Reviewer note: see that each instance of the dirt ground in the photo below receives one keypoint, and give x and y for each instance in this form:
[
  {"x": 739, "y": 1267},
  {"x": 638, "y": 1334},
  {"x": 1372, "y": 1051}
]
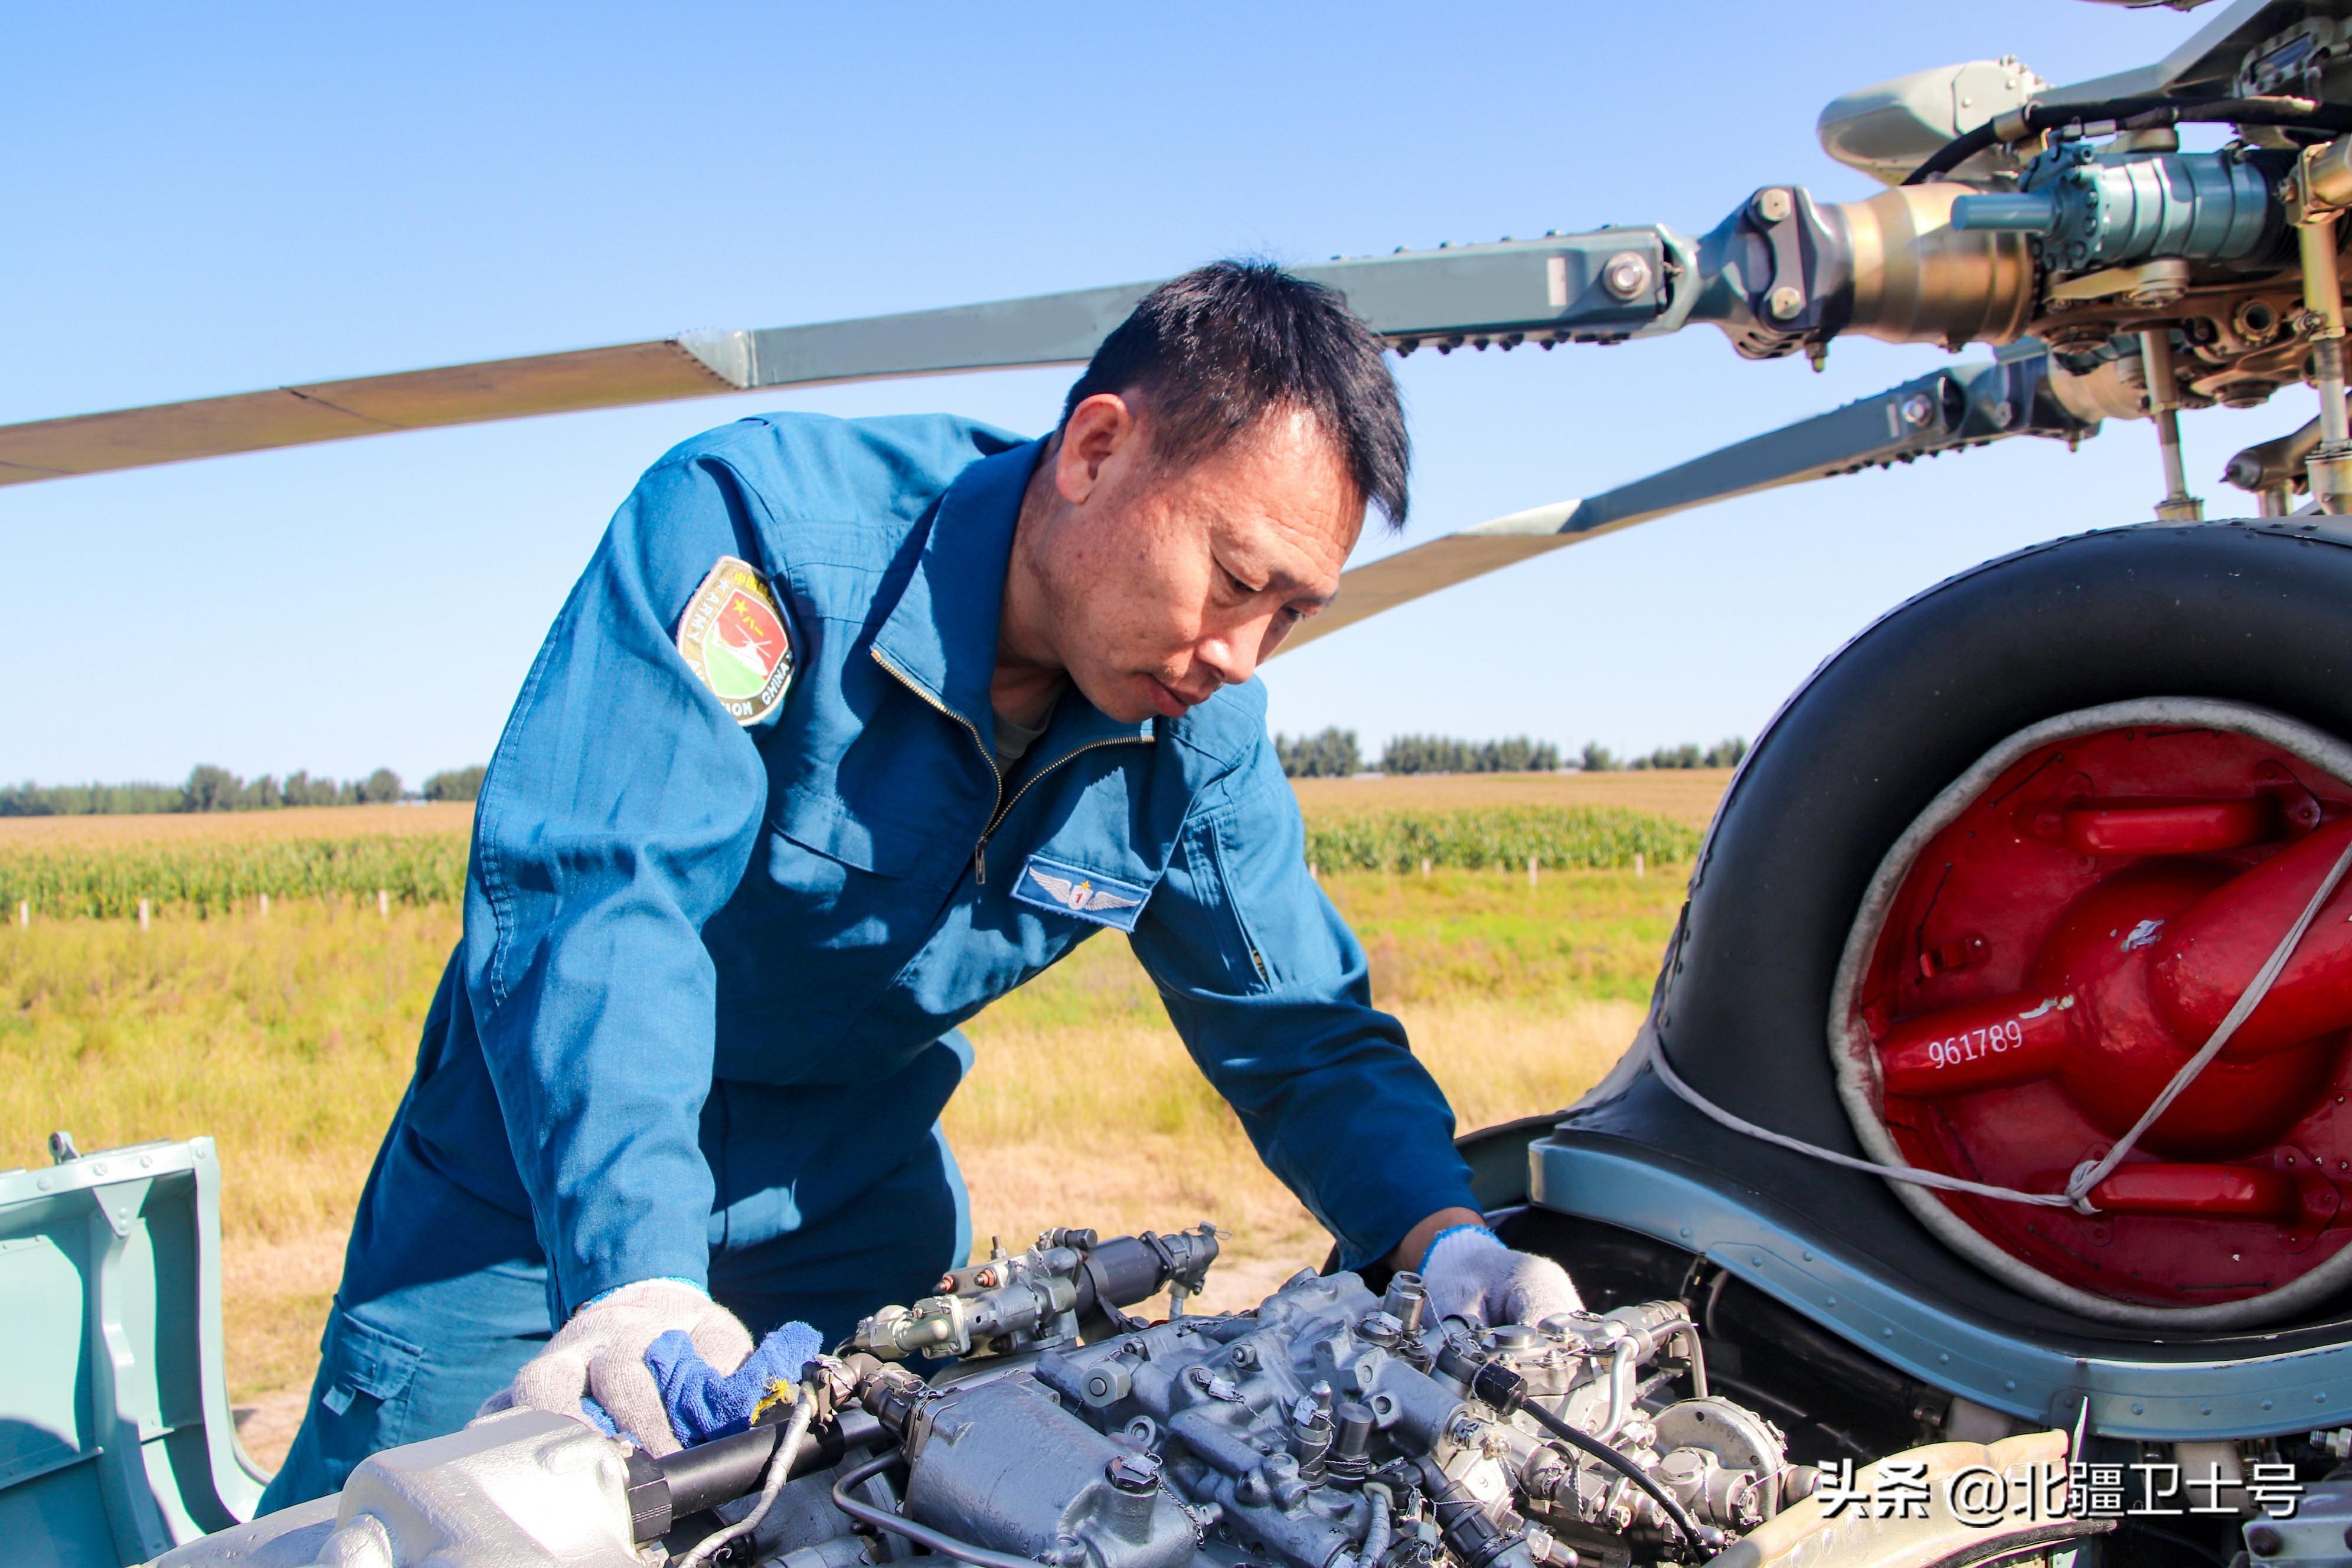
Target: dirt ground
[{"x": 296, "y": 821}]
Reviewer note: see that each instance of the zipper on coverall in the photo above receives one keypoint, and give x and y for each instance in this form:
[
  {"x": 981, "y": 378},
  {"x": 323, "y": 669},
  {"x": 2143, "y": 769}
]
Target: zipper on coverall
[{"x": 1002, "y": 808}]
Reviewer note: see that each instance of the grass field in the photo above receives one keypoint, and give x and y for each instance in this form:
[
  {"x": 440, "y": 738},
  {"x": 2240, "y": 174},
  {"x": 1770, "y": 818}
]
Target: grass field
[{"x": 290, "y": 1038}]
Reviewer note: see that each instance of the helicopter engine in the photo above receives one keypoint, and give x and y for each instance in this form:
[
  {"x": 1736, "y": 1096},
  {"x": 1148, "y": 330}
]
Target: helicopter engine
[{"x": 1325, "y": 1427}]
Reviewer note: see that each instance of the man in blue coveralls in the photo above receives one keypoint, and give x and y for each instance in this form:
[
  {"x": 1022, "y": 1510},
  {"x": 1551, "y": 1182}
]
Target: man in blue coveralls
[{"x": 849, "y": 728}]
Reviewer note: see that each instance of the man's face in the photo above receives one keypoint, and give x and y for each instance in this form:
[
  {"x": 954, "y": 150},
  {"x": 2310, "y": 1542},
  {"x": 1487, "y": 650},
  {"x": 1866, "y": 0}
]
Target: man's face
[{"x": 1161, "y": 585}]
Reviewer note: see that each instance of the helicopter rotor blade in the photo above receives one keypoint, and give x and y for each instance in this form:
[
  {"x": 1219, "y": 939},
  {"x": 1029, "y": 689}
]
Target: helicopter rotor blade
[
  {"x": 1605, "y": 285},
  {"x": 1946, "y": 410},
  {"x": 336, "y": 410},
  {"x": 1053, "y": 330}
]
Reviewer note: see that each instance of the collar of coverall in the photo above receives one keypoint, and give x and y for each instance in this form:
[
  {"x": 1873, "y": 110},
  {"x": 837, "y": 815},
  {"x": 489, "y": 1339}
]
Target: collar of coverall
[{"x": 941, "y": 634}]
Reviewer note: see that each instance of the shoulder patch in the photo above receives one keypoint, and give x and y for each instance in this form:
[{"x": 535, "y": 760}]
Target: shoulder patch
[
  {"x": 1072, "y": 890},
  {"x": 734, "y": 637}
]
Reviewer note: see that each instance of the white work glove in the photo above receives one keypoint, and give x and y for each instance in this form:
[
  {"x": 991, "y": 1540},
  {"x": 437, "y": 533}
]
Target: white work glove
[
  {"x": 1469, "y": 1273},
  {"x": 600, "y": 1356}
]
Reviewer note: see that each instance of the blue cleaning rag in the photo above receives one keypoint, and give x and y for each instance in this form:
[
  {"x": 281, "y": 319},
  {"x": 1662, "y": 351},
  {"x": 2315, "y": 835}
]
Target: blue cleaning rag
[{"x": 703, "y": 1403}]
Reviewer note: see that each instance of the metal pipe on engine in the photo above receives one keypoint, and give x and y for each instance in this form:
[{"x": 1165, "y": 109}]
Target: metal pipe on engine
[
  {"x": 2164, "y": 408},
  {"x": 2322, "y": 295},
  {"x": 2316, "y": 210},
  {"x": 1621, "y": 1387}
]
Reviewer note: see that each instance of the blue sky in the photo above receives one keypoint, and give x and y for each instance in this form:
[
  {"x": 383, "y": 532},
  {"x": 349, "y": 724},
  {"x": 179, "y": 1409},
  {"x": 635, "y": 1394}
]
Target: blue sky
[{"x": 212, "y": 199}]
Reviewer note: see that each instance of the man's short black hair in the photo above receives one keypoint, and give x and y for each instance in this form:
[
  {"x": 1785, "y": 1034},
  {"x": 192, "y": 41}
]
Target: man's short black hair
[{"x": 1215, "y": 350}]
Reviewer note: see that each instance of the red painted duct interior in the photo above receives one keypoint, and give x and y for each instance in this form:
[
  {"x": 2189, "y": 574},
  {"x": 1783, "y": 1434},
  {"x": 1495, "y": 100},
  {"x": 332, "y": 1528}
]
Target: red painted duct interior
[{"x": 2051, "y": 958}]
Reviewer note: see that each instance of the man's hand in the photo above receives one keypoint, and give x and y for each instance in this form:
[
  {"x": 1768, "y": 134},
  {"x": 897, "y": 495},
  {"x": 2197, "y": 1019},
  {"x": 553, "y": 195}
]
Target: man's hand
[
  {"x": 596, "y": 1364},
  {"x": 1469, "y": 1273}
]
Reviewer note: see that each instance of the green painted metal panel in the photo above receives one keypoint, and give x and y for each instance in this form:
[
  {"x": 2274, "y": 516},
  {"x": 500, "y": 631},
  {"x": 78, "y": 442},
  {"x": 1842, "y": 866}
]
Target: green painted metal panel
[{"x": 116, "y": 1442}]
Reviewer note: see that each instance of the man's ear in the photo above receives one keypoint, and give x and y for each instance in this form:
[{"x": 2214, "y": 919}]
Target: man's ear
[{"x": 1100, "y": 433}]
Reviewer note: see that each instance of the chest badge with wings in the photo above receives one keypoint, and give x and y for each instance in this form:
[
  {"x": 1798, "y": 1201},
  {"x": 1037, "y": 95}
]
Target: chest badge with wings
[{"x": 1068, "y": 890}]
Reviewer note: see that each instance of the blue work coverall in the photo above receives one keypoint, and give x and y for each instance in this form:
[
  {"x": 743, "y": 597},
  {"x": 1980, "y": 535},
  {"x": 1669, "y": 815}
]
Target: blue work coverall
[{"x": 703, "y": 1019}]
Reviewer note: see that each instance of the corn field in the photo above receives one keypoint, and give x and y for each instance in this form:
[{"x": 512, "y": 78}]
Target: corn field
[
  {"x": 206, "y": 877},
  {"x": 1570, "y": 838}
]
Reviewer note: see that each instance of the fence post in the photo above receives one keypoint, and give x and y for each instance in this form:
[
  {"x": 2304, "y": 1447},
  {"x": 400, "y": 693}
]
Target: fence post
[
  {"x": 1639, "y": 869},
  {"x": 1314, "y": 870},
  {"x": 1532, "y": 863},
  {"x": 265, "y": 906},
  {"x": 24, "y": 914},
  {"x": 1424, "y": 865},
  {"x": 142, "y": 914},
  {"x": 382, "y": 903}
]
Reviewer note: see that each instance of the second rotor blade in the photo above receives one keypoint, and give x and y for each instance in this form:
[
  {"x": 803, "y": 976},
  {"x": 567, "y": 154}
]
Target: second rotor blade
[{"x": 1945, "y": 410}]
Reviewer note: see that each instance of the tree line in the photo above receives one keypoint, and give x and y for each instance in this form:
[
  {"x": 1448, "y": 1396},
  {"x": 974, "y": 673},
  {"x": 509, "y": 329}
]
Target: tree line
[
  {"x": 1335, "y": 752},
  {"x": 1724, "y": 753},
  {"x": 1443, "y": 754},
  {"x": 210, "y": 788}
]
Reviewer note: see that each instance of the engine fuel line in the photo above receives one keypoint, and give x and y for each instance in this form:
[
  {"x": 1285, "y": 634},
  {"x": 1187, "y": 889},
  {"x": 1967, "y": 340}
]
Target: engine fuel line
[{"x": 1505, "y": 1391}]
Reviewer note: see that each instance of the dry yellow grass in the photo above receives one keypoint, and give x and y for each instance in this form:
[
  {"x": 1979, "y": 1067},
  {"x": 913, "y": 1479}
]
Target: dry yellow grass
[
  {"x": 299, "y": 822},
  {"x": 1114, "y": 1129},
  {"x": 288, "y": 1039},
  {"x": 1081, "y": 1107},
  {"x": 1684, "y": 795}
]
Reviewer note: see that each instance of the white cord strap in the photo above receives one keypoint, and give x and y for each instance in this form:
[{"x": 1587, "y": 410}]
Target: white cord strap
[
  {"x": 2088, "y": 1175},
  {"x": 1913, "y": 1174}
]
